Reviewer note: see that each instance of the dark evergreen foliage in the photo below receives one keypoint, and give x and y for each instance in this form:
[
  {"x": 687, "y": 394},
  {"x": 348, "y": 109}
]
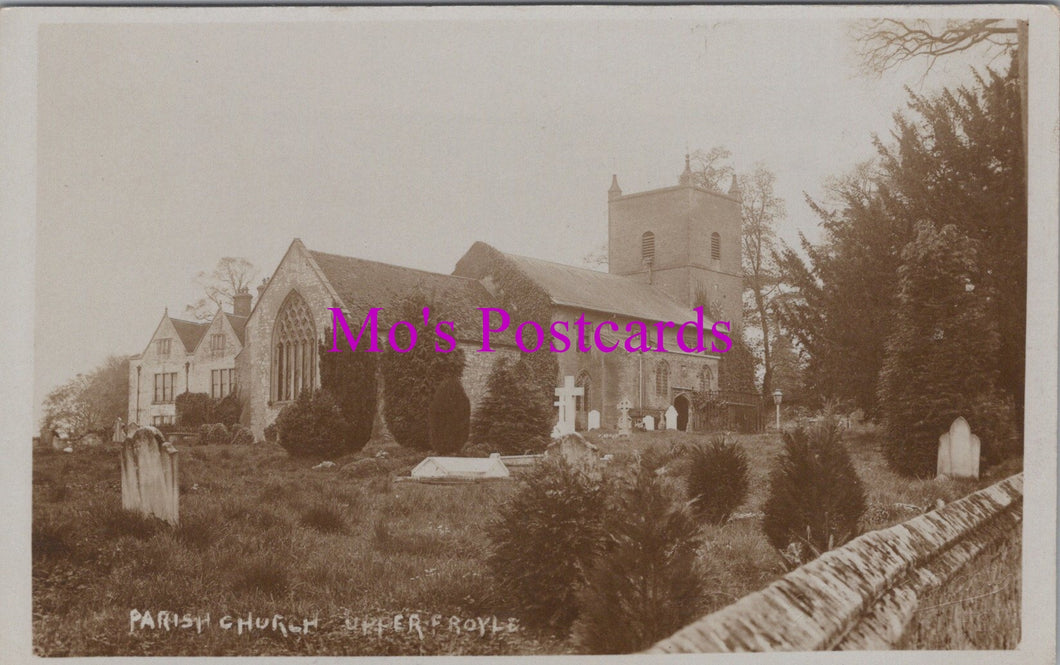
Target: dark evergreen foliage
[
  {"x": 193, "y": 409},
  {"x": 217, "y": 434},
  {"x": 941, "y": 355},
  {"x": 227, "y": 410},
  {"x": 717, "y": 479},
  {"x": 815, "y": 495},
  {"x": 513, "y": 417},
  {"x": 545, "y": 538},
  {"x": 411, "y": 378},
  {"x": 449, "y": 417},
  {"x": 350, "y": 378},
  {"x": 312, "y": 426},
  {"x": 241, "y": 436},
  {"x": 736, "y": 369},
  {"x": 646, "y": 585},
  {"x": 957, "y": 158}
]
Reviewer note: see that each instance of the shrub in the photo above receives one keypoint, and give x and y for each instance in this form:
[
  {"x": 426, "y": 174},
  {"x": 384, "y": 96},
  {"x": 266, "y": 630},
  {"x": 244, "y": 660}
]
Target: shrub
[
  {"x": 193, "y": 409},
  {"x": 410, "y": 378},
  {"x": 449, "y": 416},
  {"x": 204, "y": 434},
  {"x": 545, "y": 537},
  {"x": 646, "y": 585},
  {"x": 241, "y": 436},
  {"x": 513, "y": 418},
  {"x": 815, "y": 496},
  {"x": 312, "y": 426},
  {"x": 717, "y": 479},
  {"x": 227, "y": 410},
  {"x": 350, "y": 377},
  {"x": 270, "y": 433},
  {"x": 217, "y": 435}
]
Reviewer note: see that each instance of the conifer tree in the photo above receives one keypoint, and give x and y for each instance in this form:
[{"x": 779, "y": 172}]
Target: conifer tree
[
  {"x": 349, "y": 377},
  {"x": 512, "y": 417},
  {"x": 941, "y": 355},
  {"x": 411, "y": 378}
]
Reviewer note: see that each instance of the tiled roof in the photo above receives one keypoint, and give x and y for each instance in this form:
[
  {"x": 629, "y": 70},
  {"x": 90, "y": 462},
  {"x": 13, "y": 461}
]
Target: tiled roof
[
  {"x": 601, "y": 291},
  {"x": 364, "y": 284},
  {"x": 238, "y": 323},
  {"x": 190, "y": 332}
]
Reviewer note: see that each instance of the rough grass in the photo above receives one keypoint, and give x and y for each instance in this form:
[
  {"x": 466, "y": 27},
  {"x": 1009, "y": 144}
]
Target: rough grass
[{"x": 266, "y": 534}]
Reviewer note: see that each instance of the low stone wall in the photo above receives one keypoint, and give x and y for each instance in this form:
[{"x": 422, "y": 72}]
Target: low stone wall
[{"x": 864, "y": 594}]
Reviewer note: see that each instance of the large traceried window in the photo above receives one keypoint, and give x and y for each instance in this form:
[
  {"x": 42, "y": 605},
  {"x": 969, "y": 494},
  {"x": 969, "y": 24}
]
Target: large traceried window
[{"x": 294, "y": 350}]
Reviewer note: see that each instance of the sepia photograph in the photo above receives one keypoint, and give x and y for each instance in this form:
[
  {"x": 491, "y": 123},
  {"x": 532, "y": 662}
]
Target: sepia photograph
[{"x": 532, "y": 331}]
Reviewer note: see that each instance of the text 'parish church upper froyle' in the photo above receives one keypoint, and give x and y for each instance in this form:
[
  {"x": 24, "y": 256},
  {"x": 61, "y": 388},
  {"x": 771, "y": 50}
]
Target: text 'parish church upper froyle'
[{"x": 669, "y": 249}]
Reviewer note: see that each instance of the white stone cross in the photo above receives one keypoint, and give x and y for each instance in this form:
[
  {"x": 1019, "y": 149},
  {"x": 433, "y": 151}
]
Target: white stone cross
[
  {"x": 565, "y": 395},
  {"x": 625, "y": 423}
]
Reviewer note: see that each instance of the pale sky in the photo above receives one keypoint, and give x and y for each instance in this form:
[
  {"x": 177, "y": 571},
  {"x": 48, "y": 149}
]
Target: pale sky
[{"x": 162, "y": 148}]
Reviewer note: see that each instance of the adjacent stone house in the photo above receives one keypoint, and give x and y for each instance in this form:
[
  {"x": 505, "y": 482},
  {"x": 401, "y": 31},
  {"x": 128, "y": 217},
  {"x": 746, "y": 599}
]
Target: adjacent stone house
[{"x": 181, "y": 356}]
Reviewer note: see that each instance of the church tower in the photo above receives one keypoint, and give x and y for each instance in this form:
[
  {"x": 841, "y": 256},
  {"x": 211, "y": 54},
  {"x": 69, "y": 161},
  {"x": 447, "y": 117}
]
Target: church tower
[{"x": 684, "y": 240}]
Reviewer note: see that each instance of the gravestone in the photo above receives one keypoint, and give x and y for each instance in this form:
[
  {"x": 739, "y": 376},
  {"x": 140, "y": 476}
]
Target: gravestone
[
  {"x": 625, "y": 423},
  {"x": 565, "y": 395},
  {"x": 959, "y": 451},
  {"x": 594, "y": 420},
  {"x": 671, "y": 417},
  {"x": 149, "y": 475},
  {"x": 648, "y": 422}
]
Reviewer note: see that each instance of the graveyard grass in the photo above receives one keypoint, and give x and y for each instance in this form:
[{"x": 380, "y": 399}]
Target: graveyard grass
[{"x": 266, "y": 534}]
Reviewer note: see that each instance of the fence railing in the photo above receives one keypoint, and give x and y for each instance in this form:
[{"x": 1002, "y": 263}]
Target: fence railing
[{"x": 865, "y": 594}]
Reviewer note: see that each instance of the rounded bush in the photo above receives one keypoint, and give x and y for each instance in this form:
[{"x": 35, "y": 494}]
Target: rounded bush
[
  {"x": 312, "y": 426},
  {"x": 241, "y": 436},
  {"x": 271, "y": 435},
  {"x": 717, "y": 479},
  {"x": 204, "y": 434},
  {"x": 217, "y": 434},
  {"x": 545, "y": 539},
  {"x": 449, "y": 417},
  {"x": 815, "y": 496}
]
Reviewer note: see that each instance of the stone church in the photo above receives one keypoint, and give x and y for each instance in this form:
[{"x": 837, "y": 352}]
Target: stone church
[{"x": 668, "y": 249}]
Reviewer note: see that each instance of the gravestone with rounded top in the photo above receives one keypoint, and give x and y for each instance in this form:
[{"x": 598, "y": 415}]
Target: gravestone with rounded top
[
  {"x": 149, "y": 475},
  {"x": 671, "y": 417},
  {"x": 648, "y": 422},
  {"x": 959, "y": 451}
]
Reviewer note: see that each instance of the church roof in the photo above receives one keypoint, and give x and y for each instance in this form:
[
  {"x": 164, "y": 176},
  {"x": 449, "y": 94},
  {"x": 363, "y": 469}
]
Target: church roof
[
  {"x": 364, "y": 284},
  {"x": 190, "y": 332},
  {"x": 239, "y": 324},
  {"x": 600, "y": 291}
]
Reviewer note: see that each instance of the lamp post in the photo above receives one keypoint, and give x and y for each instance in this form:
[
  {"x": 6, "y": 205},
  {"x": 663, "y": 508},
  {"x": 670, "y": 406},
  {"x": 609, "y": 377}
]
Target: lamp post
[{"x": 777, "y": 397}]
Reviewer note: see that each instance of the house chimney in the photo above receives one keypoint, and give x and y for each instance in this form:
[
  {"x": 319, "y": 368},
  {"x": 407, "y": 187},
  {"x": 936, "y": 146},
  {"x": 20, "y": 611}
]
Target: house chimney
[{"x": 241, "y": 302}]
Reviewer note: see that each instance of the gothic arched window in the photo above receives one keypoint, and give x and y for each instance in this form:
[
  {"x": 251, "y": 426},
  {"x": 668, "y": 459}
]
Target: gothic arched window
[
  {"x": 647, "y": 247},
  {"x": 294, "y": 350},
  {"x": 706, "y": 378},
  {"x": 715, "y": 246},
  {"x": 662, "y": 379}
]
